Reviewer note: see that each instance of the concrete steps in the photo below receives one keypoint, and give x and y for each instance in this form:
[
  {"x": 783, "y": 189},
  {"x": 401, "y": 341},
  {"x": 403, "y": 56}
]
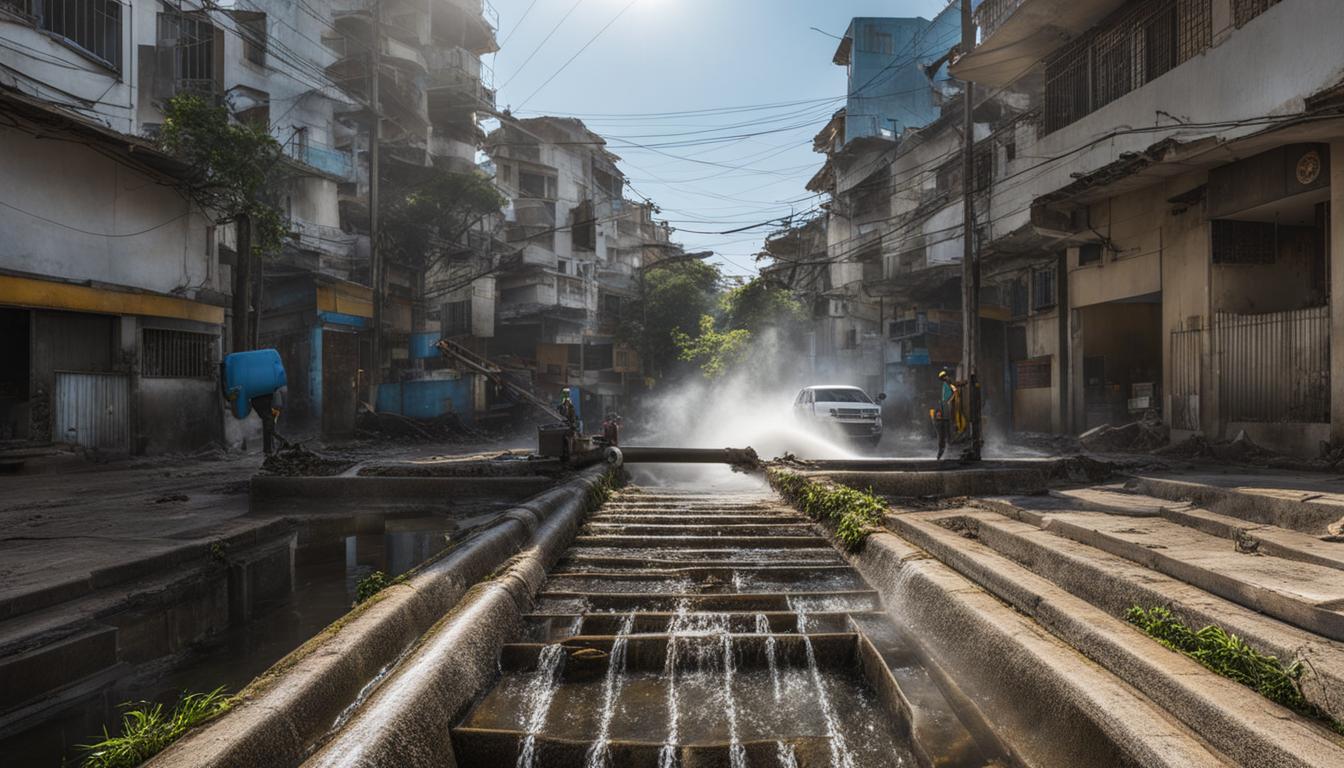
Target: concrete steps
[
  {"x": 738, "y": 605},
  {"x": 1078, "y": 591}
]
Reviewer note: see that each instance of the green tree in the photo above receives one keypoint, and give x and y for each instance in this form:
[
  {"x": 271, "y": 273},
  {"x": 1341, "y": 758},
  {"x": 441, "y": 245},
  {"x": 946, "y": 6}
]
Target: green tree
[
  {"x": 715, "y": 351},
  {"x": 231, "y": 167},
  {"x": 428, "y": 214},
  {"x": 674, "y": 297},
  {"x": 760, "y": 304}
]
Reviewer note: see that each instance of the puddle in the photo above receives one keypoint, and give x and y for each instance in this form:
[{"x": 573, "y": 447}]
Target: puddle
[{"x": 326, "y": 573}]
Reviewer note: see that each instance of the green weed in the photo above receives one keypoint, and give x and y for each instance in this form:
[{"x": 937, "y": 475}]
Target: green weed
[
  {"x": 854, "y": 513},
  {"x": 1231, "y": 657},
  {"x": 371, "y": 585},
  {"x": 146, "y": 729}
]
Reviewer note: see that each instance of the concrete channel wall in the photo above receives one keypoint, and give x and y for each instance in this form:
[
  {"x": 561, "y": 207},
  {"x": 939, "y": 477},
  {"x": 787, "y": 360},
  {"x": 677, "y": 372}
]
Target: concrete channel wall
[{"x": 285, "y": 712}]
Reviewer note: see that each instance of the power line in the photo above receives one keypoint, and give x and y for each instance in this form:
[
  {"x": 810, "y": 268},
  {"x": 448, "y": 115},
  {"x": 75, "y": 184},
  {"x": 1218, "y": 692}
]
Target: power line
[
  {"x": 519, "y": 25},
  {"x": 571, "y": 59},
  {"x": 540, "y": 45}
]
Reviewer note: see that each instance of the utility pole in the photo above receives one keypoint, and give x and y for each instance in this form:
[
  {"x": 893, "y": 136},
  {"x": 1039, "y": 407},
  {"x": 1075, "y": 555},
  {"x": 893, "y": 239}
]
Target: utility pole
[
  {"x": 242, "y": 283},
  {"x": 375, "y": 253},
  {"x": 970, "y": 266}
]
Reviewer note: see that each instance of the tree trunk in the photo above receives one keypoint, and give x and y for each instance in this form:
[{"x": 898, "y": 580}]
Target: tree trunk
[{"x": 242, "y": 284}]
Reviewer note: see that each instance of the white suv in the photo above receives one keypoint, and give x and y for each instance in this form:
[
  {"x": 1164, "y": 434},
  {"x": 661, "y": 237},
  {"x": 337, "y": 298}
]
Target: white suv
[{"x": 841, "y": 409}]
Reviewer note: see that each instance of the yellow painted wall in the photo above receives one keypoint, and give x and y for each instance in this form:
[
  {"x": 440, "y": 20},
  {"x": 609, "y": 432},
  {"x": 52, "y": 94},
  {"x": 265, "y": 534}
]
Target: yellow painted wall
[{"x": 45, "y": 294}]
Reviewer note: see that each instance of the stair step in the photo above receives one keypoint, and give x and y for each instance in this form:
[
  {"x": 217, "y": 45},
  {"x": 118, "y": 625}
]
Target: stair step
[
  {"x": 713, "y": 581},
  {"x": 851, "y": 600},
  {"x": 693, "y": 542},
  {"x": 487, "y": 746},
  {"x": 554, "y": 627},
  {"x": 648, "y": 653}
]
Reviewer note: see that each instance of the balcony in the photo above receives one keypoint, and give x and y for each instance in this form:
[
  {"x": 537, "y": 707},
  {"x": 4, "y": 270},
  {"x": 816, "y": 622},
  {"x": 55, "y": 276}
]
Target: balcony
[
  {"x": 459, "y": 84},
  {"x": 1016, "y": 31},
  {"x": 470, "y": 24},
  {"x": 329, "y": 161}
]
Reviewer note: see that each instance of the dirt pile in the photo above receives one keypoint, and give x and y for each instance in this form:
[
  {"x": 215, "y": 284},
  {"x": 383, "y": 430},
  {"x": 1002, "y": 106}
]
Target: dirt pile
[{"x": 297, "y": 461}]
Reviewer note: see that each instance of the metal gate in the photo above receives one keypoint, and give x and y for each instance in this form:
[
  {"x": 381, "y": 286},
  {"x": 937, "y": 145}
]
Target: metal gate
[
  {"x": 1274, "y": 367},
  {"x": 93, "y": 410},
  {"x": 1185, "y": 379}
]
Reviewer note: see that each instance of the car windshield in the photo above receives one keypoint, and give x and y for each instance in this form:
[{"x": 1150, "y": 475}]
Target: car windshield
[{"x": 842, "y": 396}]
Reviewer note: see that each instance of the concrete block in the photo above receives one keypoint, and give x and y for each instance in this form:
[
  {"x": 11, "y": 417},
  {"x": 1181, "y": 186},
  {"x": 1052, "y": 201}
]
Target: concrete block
[{"x": 28, "y": 676}]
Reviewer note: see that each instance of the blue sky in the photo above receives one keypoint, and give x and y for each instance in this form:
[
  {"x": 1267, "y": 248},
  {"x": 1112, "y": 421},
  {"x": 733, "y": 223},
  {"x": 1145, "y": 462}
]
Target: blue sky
[{"x": 662, "y": 56}]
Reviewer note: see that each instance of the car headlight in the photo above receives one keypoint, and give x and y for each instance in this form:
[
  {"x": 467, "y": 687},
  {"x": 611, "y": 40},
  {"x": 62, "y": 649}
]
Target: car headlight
[{"x": 835, "y": 412}]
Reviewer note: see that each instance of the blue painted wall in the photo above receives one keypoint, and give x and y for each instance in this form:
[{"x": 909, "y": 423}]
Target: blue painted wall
[
  {"x": 427, "y": 398},
  {"x": 888, "y": 90}
]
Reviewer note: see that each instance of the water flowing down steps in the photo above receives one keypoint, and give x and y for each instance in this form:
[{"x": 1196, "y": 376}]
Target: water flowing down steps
[{"x": 686, "y": 629}]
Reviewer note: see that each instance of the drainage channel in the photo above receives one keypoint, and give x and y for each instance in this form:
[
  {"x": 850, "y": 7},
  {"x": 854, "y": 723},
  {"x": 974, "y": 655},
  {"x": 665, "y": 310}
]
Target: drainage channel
[{"x": 685, "y": 628}]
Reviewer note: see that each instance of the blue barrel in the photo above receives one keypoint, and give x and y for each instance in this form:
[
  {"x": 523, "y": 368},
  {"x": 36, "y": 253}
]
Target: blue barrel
[{"x": 251, "y": 374}]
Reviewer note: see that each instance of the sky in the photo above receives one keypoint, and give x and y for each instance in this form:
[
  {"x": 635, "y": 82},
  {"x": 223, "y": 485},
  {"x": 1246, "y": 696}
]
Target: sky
[{"x": 711, "y": 104}]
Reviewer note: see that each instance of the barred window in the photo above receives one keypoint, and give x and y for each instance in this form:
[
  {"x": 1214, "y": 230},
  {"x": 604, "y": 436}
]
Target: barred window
[
  {"x": 92, "y": 26},
  {"x": 1245, "y": 10},
  {"x": 1243, "y": 242},
  {"x": 177, "y": 354},
  {"x": 457, "y": 318},
  {"x": 1136, "y": 45},
  {"x": 1043, "y": 288},
  {"x": 1033, "y": 374}
]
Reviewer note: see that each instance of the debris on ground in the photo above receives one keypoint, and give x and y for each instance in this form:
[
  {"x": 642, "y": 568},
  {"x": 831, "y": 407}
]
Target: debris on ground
[
  {"x": 297, "y": 461},
  {"x": 1139, "y": 436},
  {"x": 446, "y": 428},
  {"x": 1047, "y": 443},
  {"x": 171, "y": 498},
  {"x": 1243, "y": 450}
]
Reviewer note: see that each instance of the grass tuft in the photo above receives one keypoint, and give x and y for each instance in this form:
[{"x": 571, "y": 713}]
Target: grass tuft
[
  {"x": 147, "y": 729},
  {"x": 1231, "y": 657},
  {"x": 854, "y": 513}
]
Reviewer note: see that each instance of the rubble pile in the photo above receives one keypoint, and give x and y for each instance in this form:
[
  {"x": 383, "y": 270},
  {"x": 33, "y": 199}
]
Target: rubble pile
[
  {"x": 1140, "y": 436},
  {"x": 297, "y": 461}
]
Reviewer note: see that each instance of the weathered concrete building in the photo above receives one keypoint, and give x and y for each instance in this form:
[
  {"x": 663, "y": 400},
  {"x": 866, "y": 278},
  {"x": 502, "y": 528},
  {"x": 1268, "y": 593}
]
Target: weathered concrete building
[
  {"x": 112, "y": 293},
  {"x": 581, "y": 251},
  {"x": 1171, "y": 179}
]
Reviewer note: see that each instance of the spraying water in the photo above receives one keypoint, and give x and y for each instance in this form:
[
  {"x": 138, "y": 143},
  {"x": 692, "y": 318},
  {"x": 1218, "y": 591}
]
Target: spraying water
[
  {"x": 540, "y": 692},
  {"x": 840, "y": 755},
  {"x": 785, "y": 754},
  {"x": 737, "y": 754},
  {"x": 763, "y": 627},
  {"x": 599, "y": 754}
]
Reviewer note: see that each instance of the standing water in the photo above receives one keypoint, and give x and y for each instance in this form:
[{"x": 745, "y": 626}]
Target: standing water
[
  {"x": 598, "y": 755},
  {"x": 540, "y": 692}
]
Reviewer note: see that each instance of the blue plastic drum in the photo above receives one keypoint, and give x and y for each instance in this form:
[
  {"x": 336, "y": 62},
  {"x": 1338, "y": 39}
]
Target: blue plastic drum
[{"x": 251, "y": 374}]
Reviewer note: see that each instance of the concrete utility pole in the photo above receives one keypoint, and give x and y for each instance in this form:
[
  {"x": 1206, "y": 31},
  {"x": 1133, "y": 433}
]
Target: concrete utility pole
[
  {"x": 970, "y": 266},
  {"x": 375, "y": 255},
  {"x": 242, "y": 284}
]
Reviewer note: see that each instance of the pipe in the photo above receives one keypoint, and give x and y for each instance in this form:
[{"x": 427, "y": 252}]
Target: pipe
[{"x": 734, "y": 456}]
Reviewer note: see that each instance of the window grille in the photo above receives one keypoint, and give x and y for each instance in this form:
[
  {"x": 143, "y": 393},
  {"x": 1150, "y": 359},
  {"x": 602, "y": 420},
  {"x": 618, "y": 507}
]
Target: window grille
[
  {"x": 1245, "y": 10},
  {"x": 1034, "y": 373},
  {"x": 1043, "y": 288},
  {"x": 1243, "y": 242},
  {"x": 457, "y": 318},
  {"x": 92, "y": 26},
  {"x": 177, "y": 354},
  {"x": 1018, "y": 298},
  {"x": 1136, "y": 45}
]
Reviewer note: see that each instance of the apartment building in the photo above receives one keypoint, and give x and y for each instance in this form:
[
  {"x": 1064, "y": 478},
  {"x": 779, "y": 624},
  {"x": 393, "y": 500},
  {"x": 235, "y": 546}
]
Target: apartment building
[
  {"x": 581, "y": 250},
  {"x": 1161, "y": 211},
  {"x": 112, "y": 290}
]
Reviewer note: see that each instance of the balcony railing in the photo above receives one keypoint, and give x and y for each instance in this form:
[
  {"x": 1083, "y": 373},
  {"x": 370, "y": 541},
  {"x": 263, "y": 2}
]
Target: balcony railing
[
  {"x": 338, "y": 163},
  {"x": 992, "y": 13},
  {"x": 465, "y": 75}
]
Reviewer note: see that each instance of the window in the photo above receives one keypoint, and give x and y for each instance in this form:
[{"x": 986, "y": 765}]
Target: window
[
  {"x": 1243, "y": 242},
  {"x": 252, "y": 28},
  {"x": 1018, "y": 298},
  {"x": 1136, "y": 45},
  {"x": 1043, "y": 288},
  {"x": 177, "y": 354},
  {"x": 852, "y": 338},
  {"x": 457, "y": 318},
  {"x": 536, "y": 185},
  {"x": 1245, "y": 10},
  {"x": 876, "y": 41},
  {"x": 92, "y": 26},
  {"x": 1033, "y": 374},
  {"x": 1089, "y": 253},
  {"x": 583, "y": 226},
  {"x": 185, "y": 58}
]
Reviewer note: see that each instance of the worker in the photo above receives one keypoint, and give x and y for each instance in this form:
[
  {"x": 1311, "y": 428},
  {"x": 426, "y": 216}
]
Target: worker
[
  {"x": 942, "y": 413},
  {"x": 567, "y": 410}
]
